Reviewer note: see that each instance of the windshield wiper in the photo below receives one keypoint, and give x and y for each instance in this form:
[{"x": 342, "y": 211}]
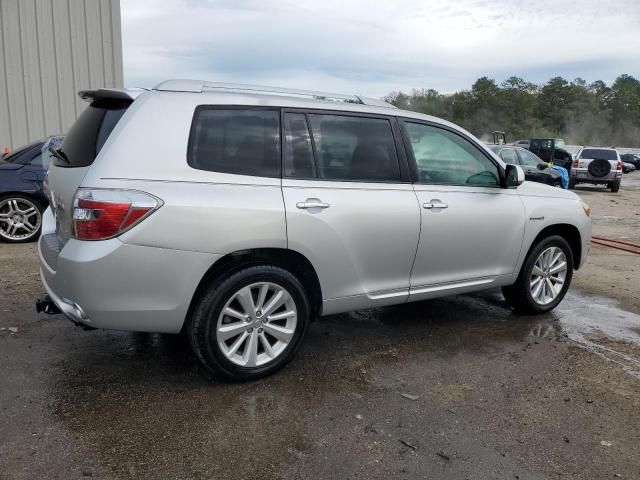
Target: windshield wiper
[{"x": 59, "y": 154}]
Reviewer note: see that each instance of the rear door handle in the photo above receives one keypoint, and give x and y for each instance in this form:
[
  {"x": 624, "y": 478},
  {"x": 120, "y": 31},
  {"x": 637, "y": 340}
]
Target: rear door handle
[
  {"x": 312, "y": 204},
  {"x": 431, "y": 205}
]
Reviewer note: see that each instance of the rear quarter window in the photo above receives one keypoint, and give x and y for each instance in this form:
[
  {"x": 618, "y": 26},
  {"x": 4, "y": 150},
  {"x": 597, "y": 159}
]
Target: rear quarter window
[
  {"x": 89, "y": 133},
  {"x": 237, "y": 141}
]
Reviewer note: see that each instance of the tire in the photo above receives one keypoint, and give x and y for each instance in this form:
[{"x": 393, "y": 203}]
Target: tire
[
  {"x": 520, "y": 295},
  {"x": 557, "y": 184},
  {"x": 599, "y": 168},
  {"x": 615, "y": 187},
  {"x": 217, "y": 354},
  {"x": 25, "y": 209}
]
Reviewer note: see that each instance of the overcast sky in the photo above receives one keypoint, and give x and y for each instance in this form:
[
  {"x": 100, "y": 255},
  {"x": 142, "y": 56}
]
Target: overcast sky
[{"x": 373, "y": 47}]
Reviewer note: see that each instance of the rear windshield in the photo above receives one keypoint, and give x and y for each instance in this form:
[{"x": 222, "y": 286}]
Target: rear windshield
[
  {"x": 603, "y": 153},
  {"x": 89, "y": 133}
]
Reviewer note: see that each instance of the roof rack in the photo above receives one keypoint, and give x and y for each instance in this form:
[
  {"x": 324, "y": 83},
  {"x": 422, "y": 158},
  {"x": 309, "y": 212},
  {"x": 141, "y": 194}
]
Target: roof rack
[{"x": 199, "y": 86}]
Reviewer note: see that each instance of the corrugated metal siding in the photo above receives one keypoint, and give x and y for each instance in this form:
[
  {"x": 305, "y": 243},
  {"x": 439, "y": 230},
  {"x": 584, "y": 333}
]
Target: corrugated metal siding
[{"x": 50, "y": 49}]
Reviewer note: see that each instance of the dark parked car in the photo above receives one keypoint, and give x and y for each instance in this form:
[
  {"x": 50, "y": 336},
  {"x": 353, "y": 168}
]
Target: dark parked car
[
  {"x": 551, "y": 150},
  {"x": 22, "y": 199},
  {"x": 535, "y": 169},
  {"x": 631, "y": 158}
]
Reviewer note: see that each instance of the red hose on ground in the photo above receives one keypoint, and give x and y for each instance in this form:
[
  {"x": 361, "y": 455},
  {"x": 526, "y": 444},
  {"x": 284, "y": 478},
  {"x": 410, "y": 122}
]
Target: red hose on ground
[
  {"x": 599, "y": 241},
  {"x": 616, "y": 241}
]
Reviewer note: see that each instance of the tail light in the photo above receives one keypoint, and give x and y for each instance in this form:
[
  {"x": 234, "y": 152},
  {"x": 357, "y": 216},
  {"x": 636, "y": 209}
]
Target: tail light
[
  {"x": 576, "y": 162},
  {"x": 102, "y": 214},
  {"x": 619, "y": 167}
]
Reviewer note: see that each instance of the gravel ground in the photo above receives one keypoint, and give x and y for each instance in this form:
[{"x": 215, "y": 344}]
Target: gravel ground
[{"x": 452, "y": 388}]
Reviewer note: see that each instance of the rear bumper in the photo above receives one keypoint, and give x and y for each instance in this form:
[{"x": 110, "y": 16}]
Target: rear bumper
[
  {"x": 583, "y": 175},
  {"x": 113, "y": 285}
]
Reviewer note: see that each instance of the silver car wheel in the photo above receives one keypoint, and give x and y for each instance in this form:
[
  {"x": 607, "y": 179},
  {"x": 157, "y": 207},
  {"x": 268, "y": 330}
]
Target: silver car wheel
[
  {"x": 20, "y": 219},
  {"x": 257, "y": 324},
  {"x": 548, "y": 275}
]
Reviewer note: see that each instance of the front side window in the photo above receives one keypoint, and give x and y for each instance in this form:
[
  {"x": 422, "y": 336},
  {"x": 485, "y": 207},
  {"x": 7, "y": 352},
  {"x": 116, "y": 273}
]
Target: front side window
[
  {"x": 444, "y": 157},
  {"x": 529, "y": 159},
  {"x": 508, "y": 155},
  {"x": 242, "y": 142},
  {"x": 354, "y": 148}
]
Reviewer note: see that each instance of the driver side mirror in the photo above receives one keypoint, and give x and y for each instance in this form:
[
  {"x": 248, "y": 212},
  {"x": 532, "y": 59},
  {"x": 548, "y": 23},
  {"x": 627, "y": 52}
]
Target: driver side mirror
[
  {"x": 514, "y": 176},
  {"x": 542, "y": 166}
]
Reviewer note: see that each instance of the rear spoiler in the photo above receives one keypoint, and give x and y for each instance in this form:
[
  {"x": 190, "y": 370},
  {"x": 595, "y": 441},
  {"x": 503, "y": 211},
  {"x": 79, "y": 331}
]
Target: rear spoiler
[{"x": 126, "y": 94}]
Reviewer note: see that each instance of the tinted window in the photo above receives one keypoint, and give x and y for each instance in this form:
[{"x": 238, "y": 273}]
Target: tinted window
[
  {"x": 509, "y": 156},
  {"x": 529, "y": 158},
  {"x": 593, "y": 153},
  {"x": 37, "y": 160},
  {"x": 89, "y": 133},
  {"x": 242, "y": 142},
  {"x": 298, "y": 152},
  {"x": 445, "y": 157},
  {"x": 354, "y": 148},
  {"x": 19, "y": 154}
]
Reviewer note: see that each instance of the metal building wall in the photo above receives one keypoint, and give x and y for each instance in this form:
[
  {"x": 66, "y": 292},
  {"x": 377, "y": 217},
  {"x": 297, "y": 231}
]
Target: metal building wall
[{"x": 50, "y": 49}]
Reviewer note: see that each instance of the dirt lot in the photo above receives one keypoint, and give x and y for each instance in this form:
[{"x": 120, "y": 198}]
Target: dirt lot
[{"x": 491, "y": 394}]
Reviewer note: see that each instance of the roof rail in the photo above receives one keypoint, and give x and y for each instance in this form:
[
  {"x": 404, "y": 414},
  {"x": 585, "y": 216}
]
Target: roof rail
[{"x": 199, "y": 86}]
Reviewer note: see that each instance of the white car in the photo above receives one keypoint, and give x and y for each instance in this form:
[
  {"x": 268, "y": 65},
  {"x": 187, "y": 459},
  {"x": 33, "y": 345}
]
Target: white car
[{"x": 238, "y": 213}]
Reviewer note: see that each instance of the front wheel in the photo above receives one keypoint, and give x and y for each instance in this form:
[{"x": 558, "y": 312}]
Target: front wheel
[
  {"x": 251, "y": 324},
  {"x": 544, "y": 278}
]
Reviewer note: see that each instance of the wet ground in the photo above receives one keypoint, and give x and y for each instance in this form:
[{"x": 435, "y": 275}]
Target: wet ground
[{"x": 453, "y": 388}]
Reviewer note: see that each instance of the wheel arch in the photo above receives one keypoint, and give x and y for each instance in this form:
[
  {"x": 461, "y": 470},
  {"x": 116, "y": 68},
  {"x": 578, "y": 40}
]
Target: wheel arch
[
  {"x": 37, "y": 197},
  {"x": 567, "y": 231},
  {"x": 290, "y": 260}
]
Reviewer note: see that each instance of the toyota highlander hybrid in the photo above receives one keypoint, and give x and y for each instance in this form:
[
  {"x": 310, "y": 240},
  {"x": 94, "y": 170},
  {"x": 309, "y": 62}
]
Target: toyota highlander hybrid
[{"x": 236, "y": 214}]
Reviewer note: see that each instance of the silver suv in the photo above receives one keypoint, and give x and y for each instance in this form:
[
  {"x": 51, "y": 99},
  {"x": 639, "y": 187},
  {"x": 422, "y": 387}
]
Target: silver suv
[
  {"x": 236, "y": 214},
  {"x": 597, "y": 165}
]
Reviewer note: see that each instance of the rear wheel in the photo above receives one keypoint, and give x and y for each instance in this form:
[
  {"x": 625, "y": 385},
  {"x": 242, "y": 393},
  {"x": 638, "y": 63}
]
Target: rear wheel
[
  {"x": 251, "y": 324},
  {"x": 558, "y": 184},
  {"x": 20, "y": 218},
  {"x": 544, "y": 278},
  {"x": 615, "y": 186}
]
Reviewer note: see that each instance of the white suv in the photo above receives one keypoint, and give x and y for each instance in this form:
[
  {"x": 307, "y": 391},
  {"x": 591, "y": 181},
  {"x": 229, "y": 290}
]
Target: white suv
[
  {"x": 597, "y": 165},
  {"x": 236, "y": 214}
]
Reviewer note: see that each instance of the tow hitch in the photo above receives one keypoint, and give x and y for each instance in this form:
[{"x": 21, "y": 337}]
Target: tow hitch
[{"x": 46, "y": 305}]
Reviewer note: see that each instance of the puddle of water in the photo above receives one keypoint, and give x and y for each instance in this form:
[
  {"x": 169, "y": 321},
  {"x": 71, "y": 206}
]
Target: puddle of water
[{"x": 600, "y": 325}]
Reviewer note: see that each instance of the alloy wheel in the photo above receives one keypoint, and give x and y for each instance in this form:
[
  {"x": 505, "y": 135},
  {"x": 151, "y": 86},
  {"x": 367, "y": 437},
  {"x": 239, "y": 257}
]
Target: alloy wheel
[
  {"x": 548, "y": 275},
  {"x": 20, "y": 219},
  {"x": 256, "y": 324}
]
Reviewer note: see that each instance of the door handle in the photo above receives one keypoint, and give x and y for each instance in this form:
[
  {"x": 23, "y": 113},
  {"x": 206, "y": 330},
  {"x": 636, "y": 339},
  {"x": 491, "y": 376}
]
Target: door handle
[
  {"x": 433, "y": 204},
  {"x": 312, "y": 204}
]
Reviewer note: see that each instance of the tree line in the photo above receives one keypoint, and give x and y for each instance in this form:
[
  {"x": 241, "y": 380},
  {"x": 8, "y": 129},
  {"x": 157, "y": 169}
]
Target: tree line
[{"x": 580, "y": 112}]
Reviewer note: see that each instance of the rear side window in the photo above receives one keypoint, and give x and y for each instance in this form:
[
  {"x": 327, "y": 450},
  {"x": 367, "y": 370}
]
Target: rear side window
[
  {"x": 89, "y": 133},
  {"x": 242, "y": 142},
  {"x": 595, "y": 153},
  {"x": 354, "y": 148}
]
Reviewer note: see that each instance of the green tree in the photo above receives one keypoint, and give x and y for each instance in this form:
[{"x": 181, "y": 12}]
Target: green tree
[{"x": 580, "y": 113}]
